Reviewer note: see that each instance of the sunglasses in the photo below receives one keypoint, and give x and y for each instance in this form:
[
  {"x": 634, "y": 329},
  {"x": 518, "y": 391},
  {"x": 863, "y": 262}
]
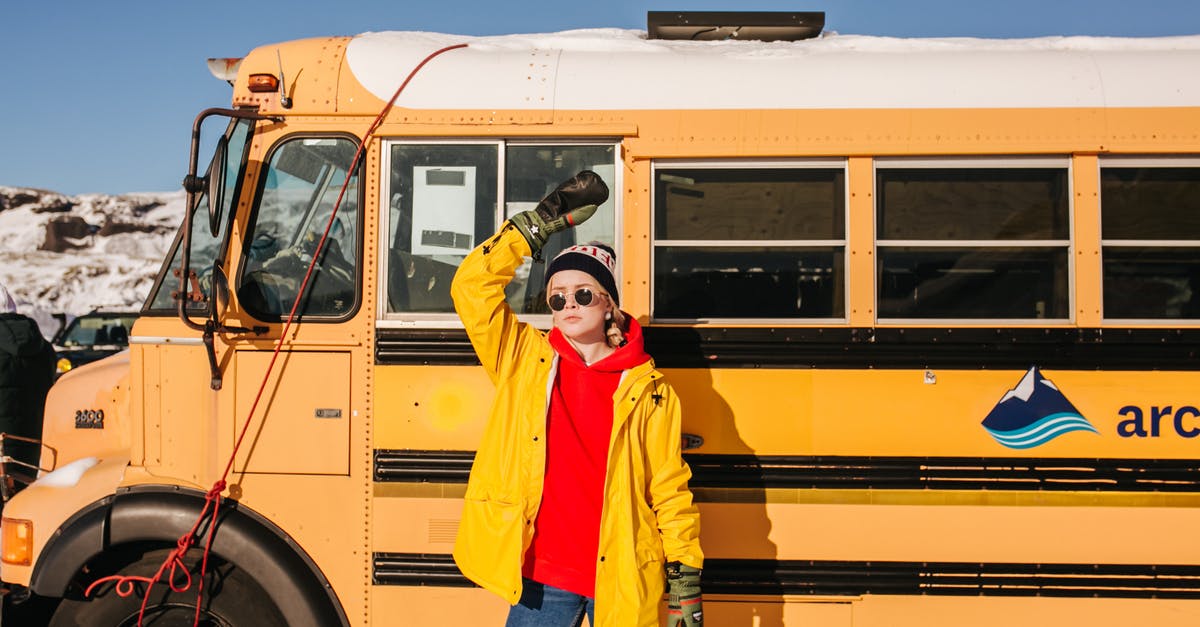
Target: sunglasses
[{"x": 583, "y": 297}]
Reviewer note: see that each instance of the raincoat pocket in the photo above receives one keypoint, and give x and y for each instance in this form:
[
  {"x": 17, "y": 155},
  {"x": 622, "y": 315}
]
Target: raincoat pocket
[
  {"x": 651, "y": 583},
  {"x": 489, "y": 546}
]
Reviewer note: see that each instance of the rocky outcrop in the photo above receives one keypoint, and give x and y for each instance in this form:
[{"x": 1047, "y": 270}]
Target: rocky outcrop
[
  {"x": 72, "y": 254},
  {"x": 36, "y": 200},
  {"x": 113, "y": 226},
  {"x": 64, "y": 233}
]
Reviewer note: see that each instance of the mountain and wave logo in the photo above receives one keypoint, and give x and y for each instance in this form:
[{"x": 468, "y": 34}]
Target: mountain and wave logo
[{"x": 1033, "y": 413}]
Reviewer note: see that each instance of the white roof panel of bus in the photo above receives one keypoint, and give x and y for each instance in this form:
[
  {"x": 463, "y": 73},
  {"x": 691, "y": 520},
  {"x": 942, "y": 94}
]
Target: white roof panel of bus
[{"x": 601, "y": 69}]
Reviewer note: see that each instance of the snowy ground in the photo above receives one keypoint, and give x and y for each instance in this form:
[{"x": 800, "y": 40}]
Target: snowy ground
[{"x": 110, "y": 272}]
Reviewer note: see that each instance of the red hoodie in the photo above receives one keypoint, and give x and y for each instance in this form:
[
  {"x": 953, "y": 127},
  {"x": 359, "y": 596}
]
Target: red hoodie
[{"x": 579, "y": 425}]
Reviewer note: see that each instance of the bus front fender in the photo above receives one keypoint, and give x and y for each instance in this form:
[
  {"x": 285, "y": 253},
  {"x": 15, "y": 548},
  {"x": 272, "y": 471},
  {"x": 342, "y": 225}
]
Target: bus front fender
[
  {"x": 148, "y": 515},
  {"x": 56, "y": 501}
]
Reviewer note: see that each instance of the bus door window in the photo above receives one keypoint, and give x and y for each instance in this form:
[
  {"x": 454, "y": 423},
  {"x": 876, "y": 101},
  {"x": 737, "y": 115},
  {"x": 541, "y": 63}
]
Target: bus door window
[
  {"x": 206, "y": 248},
  {"x": 1150, "y": 231},
  {"x": 303, "y": 179},
  {"x": 444, "y": 200},
  {"x": 750, "y": 242},
  {"x": 964, "y": 242}
]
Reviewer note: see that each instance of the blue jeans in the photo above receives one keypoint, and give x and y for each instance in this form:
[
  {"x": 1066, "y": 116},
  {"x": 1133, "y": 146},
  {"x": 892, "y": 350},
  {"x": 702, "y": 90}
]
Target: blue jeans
[{"x": 547, "y": 606}]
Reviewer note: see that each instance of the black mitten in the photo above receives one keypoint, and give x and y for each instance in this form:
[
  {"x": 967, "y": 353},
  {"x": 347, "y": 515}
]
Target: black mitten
[{"x": 570, "y": 204}]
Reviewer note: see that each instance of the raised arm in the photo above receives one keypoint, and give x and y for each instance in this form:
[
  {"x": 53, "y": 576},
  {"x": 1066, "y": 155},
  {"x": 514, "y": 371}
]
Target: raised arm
[{"x": 478, "y": 293}]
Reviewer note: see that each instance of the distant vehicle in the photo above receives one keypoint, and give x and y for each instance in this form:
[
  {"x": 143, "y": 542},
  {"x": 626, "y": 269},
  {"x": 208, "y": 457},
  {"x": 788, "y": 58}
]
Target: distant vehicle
[{"x": 92, "y": 336}]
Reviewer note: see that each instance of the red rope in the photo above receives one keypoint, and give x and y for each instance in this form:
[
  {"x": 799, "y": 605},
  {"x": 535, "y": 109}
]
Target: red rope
[{"x": 125, "y": 583}]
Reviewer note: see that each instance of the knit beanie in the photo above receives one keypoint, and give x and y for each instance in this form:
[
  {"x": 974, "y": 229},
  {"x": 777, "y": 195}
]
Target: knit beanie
[{"x": 594, "y": 258}]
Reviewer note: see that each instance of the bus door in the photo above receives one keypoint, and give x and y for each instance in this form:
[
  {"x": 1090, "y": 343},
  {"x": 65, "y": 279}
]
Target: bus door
[
  {"x": 302, "y": 422},
  {"x": 199, "y": 391}
]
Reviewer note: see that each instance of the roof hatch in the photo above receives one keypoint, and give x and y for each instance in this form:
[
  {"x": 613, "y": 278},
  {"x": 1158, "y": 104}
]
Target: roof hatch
[{"x": 721, "y": 25}]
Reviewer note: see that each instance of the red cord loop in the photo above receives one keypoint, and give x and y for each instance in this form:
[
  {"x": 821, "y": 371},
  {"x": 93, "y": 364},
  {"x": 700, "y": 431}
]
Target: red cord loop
[{"x": 124, "y": 584}]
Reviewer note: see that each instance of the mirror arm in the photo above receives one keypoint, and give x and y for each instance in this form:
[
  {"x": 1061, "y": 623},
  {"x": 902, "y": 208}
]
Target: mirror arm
[
  {"x": 257, "y": 329},
  {"x": 211, "y": 350}
]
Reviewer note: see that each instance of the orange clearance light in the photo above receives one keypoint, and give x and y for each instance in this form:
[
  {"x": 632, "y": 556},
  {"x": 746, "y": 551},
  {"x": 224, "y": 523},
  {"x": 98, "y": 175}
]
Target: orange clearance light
[
  {"x": 16, "y": 541},
  {"x": 263, "y": 83}
]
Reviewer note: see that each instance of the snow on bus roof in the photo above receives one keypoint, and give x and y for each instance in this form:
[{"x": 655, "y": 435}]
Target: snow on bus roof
[{"x": 600, "y": 69}]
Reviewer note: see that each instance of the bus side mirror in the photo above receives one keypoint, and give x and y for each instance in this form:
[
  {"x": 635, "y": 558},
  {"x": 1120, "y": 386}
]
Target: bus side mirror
[{"x": 216, "y": 185}]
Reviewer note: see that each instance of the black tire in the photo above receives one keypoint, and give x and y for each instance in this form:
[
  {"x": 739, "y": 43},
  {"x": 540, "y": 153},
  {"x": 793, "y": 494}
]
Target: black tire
[{"x": 231, "y": 599}]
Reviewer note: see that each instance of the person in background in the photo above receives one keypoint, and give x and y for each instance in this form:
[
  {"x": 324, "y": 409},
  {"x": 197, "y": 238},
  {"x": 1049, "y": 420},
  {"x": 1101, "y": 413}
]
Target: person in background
[
  {"x": 578, "y": 496},
  {"x": 26, "y": 373}
]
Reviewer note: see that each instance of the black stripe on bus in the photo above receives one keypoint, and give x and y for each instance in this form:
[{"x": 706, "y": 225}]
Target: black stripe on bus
[
  {"x": 877, "y": 473},
  {"x": 864, "y": 347},
  {"x": 413, "y": 466},
  {"x": 440, "y": 347},
  {"x": 854, "y": 578}
]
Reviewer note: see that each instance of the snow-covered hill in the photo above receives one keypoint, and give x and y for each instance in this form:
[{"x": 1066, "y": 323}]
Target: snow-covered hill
[{"x": 72, "y": 254}]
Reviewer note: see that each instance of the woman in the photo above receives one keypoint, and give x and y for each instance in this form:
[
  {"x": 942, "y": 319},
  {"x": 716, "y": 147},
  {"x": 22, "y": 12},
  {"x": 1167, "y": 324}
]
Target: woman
[{"x": 578, "y": 495}]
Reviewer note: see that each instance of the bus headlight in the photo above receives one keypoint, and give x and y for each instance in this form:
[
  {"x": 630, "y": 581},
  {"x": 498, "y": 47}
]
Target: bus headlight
[
  {"x": 64, "y": 365},
  {"x": 16, "y": 541}
]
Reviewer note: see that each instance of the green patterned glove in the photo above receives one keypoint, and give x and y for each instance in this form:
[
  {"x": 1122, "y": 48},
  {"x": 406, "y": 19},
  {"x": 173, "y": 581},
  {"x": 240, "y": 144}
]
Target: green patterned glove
[
  {"x": 572, "y": 202},
  {"x": 684, "y": 606}
]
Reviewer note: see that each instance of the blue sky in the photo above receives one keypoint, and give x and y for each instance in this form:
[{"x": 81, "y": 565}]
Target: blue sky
[{"x": 99, "y": 95}]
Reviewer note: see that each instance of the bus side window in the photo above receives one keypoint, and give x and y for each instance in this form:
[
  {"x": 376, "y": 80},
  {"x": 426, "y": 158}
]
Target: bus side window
[
  {"x": 1150, "y": 231},
  {"x": 443, "y": 201},
  {"x": 740, "y": 241},
  {"x": 531, "y": 172},
  {"x": 969, "y": 241}
]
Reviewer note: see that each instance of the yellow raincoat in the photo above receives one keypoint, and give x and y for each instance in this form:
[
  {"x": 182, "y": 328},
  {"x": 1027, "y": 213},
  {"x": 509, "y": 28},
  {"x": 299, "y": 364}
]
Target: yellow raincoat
[{"x": 648, "y": 516}]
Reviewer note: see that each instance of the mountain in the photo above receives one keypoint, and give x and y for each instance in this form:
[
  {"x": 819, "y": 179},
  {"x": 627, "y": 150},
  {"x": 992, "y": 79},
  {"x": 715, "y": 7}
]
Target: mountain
[{"x": 69, "y": 255}]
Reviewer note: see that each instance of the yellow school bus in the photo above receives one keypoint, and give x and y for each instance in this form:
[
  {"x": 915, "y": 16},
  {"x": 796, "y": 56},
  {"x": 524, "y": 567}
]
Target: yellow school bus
[{"x": 932, "y": 309}]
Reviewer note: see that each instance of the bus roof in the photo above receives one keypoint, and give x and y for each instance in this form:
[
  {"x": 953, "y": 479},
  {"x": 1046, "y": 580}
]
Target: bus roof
[{"x": 614, "y": 69}]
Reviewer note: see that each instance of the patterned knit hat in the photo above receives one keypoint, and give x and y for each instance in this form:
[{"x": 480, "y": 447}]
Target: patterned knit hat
[{"x": 596, "y": 259}]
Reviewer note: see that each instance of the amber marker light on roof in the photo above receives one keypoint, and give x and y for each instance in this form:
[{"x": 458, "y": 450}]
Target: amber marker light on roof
[
  {"x": 16, "y": 541},
  {"x": 263, "y": 83}
]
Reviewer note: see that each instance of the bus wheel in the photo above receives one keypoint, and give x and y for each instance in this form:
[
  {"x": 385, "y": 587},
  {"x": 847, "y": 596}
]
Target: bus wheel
[{"x": 231, "y": 599}]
